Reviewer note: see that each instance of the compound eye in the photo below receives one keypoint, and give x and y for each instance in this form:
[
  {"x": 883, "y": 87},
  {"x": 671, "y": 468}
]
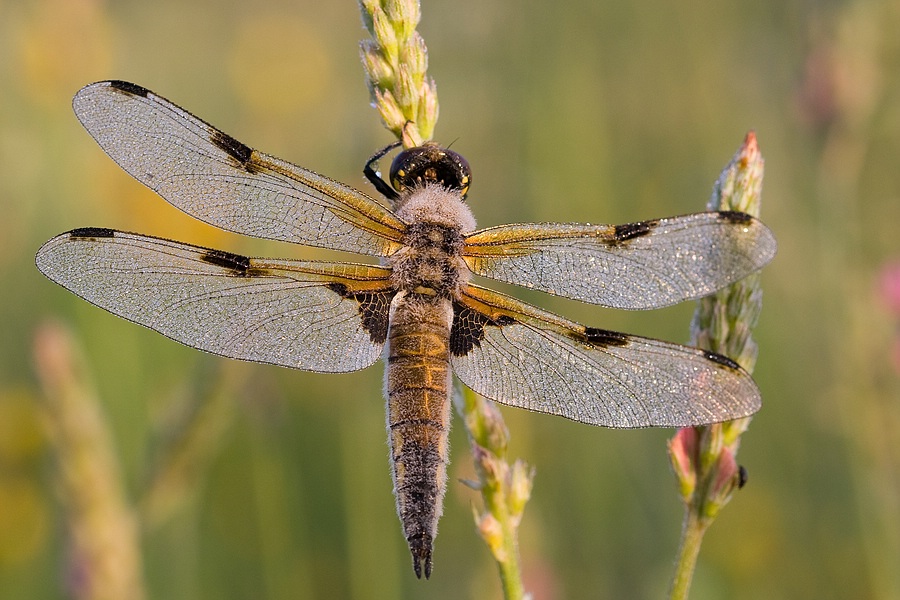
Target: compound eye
[
  {"x": 462, "y": 173},
  {"x": 430, "y": 164}
]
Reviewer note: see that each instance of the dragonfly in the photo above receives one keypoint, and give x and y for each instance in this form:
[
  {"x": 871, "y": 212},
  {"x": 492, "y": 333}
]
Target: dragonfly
[{"x": 417, "y": 308}]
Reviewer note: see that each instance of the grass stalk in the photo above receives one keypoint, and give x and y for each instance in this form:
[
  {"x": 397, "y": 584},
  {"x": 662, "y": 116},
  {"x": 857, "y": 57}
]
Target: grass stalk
[
  {"x": 505, "y": 488},
  {"x": 104, "y": 558},
  {"x": 396, "y": 64},
  {"x": 703, "y": 458}
]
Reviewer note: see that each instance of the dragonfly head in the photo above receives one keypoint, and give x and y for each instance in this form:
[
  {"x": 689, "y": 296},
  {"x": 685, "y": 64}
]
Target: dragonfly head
[{"x": 430, "y": 163}]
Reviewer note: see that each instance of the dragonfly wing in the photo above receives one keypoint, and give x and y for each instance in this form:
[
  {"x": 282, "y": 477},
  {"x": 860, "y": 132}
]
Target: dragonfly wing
[
  {"x": 316, "y": 316},
  {"x": 217, "y": 179},
  {"x": 518, "y": 355},
  {"x": 635, "y": 266}
]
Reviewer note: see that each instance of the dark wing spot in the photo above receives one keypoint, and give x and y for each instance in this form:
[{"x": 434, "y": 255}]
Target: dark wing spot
[
  {"x": 374, "y": 309},
  {"x": 629, "y": 231},
  {"x": 735, "y": 217},
  {"x": 604, "y": 337},
  {"x": 131, "y": 89},
  {"x": 722, "y": 360},
  {"x": 742, "y": 476},
  {"x": 92, "y": 232},
  {"x": 235, "y": 149},
  {"x": 468, "y": 328},
  {"x": 237, "y": 263}
]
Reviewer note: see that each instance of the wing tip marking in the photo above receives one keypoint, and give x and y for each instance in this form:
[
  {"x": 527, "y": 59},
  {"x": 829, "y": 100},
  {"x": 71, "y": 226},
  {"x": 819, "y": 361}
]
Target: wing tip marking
[
  {"x": 132, "y": 89},
  {"x": 735, "y": 217},
  {"x": 238, "y": 263},
  {"x": 722, "y": 360},
  {"x": 630, "y": 231},
  {"x": 605, "y": 338},
  {"x": 92, "y": 232},
  {"x": 240, "y": 152}
]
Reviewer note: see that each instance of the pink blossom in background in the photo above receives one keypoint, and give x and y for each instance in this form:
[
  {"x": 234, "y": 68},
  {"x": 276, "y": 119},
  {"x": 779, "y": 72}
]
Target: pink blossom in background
[
  {"x": 889, "y": 287},
  {"x": 889, "y": 293}
]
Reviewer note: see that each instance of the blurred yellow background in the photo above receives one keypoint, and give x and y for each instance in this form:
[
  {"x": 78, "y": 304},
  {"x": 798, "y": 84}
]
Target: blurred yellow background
[{"x": 576, "y": 111}]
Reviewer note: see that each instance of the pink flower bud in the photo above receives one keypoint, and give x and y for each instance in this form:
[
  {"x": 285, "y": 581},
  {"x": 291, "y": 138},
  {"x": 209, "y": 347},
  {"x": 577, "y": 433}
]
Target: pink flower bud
[
  {"x": 727, "y": 474},
  {"x": 683, "y": 455}
]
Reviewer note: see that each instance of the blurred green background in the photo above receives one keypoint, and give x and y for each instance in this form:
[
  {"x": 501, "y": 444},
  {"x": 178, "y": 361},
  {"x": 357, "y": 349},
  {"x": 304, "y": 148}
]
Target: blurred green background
[{"x": 573, "y": 111}]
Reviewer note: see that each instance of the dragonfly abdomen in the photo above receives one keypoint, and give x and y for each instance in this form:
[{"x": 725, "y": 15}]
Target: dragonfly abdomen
[{"x": 417, "y": 388}]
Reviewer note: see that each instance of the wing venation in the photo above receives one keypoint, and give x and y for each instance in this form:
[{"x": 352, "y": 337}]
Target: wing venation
[
  {"x": 634, "y": 266},
  {"x": 525, "y": 357},
  {"x": 217, "y": 179},
  {"x": 316, "y": 316}
]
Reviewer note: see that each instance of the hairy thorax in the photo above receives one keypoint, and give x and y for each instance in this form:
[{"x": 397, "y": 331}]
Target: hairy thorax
[{"x": 431, "y": 263}]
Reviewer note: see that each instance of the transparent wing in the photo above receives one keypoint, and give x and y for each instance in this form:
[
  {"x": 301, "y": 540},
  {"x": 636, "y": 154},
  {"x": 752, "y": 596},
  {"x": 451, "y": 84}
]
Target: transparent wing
[
  {"x": 635, "y": 266},
  {"x": 327, "y": 317},
  {"x": 217, "y": 179},
  {"x": 518, "y": 355}
]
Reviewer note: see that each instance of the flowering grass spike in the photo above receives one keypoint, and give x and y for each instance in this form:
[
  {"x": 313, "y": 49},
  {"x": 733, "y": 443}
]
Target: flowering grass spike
[{"x": 704, "y": 458}]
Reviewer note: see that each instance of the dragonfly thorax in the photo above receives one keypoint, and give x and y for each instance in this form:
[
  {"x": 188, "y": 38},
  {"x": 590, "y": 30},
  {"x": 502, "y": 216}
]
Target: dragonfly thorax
[{"x": 430, "y": 261}]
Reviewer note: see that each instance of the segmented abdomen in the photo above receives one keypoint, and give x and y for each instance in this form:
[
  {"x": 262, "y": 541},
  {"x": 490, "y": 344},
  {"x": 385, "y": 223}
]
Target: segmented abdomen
[{"x": 417, "y": 389}]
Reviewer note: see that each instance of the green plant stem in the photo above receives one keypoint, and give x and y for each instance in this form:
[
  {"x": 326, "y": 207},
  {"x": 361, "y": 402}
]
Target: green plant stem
[
  {"x": 692, "y": 531},
  {"x": 510, "y": 569},
  {"x": 504, "y": 488}
]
